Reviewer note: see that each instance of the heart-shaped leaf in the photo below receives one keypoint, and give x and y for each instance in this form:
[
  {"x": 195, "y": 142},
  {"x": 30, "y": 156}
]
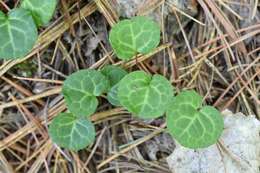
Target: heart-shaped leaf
[
  {"x": 18, "y": 33},
  {"x": 71, "y": 132},
  {"x": 113, "y": 73},
  {"x": 192, "y": 125},
  {"x": 144, "y": 95},
  {"x": 80, "y": 90},
  {"x": 137, "y": 35},
  {"x": 42, "y": 11}
]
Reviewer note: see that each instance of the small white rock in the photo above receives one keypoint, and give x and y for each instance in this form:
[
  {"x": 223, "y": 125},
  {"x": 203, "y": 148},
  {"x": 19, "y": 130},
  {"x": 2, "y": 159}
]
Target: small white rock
[{"x": 240, "y": 154}]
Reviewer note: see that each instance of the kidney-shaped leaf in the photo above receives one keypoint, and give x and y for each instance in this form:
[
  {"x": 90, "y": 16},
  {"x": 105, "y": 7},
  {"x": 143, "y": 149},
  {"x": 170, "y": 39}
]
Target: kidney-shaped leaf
[
  {"x": 71, "y": 132},
  {"x": 144, "y": 95},
  {"x": 18, "y": 33},
  {"x": 192, "y": 125},
  {"x": 80, "y": 90},
  {"x": 137, "y": 35},
  {"x": 42, "y": 11}
]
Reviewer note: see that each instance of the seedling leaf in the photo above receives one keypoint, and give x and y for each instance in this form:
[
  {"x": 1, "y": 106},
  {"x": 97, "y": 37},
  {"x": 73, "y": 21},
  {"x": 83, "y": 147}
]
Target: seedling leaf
[
  {"x": 42, "y": 11},
  {"x": 192, "y": 125},
  {"x": 113, "y": 73},
  {"x": 80, "y": 90},
  {"x": 137, "y": 35},
  {"x": 144, "y": 95},
  {"x": 71, "y": 132},
  {"x": 18, "y": 33}
]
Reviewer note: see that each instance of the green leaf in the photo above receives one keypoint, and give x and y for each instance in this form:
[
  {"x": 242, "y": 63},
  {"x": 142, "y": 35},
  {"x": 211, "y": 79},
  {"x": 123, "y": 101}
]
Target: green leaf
[
  {"x": 71, "y": 132},
  {"x": 42, "y": 11},
  {"x": 112, "y": 96},
  {"x": 18, "y": 33},
  {"x": 192, "y": 125},
  {"x": 145, "y": 95},
  {"x": 113, "y": 73},
  {"x": 137, "y": 35},
  {"x": 80, "y": 90}
]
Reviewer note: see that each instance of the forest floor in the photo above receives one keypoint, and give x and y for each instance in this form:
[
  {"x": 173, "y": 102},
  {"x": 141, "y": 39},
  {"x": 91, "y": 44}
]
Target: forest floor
[{"x": 211, "y": 46}]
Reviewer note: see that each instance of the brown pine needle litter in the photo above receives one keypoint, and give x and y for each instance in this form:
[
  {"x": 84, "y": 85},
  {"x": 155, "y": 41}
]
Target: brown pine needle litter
[{"x": 210, "y": 46}]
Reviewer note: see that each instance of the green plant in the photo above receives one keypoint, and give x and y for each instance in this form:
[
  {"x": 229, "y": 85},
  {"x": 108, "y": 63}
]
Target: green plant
[
  {"x": 112, "y": 96},
  {"x": 42, "y": 11},
  {"x": 190, "y": 123},
  {"x": 138, "y": 35},
  {"x": 18, "y": 29},
  {"x": 18, "y": 33},
  {"x": 80, "y": 90},
  {"x": 114, "y": 75},
  {"x": 72, "y": 132},
  {"x": 144, "y": 95}
]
